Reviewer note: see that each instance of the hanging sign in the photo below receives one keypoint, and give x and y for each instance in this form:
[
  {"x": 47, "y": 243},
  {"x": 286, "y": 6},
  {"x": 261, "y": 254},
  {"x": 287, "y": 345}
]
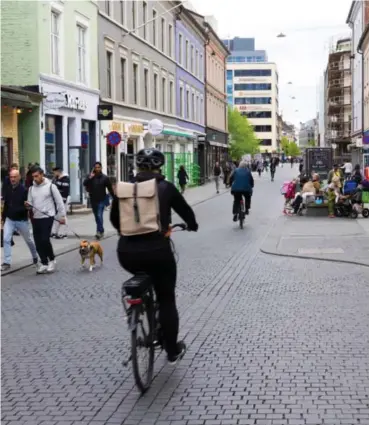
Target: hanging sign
[
  {"x": 105, "y": 112},
  {"x": 155, "y": 127},
  {"x": 113, "y": 138},
  {"x": 54, "y": 100}
]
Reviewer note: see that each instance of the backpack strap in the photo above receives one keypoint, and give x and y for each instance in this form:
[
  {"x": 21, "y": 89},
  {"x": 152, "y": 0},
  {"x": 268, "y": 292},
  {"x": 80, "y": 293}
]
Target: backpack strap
[{"x": 135, "y": 205}]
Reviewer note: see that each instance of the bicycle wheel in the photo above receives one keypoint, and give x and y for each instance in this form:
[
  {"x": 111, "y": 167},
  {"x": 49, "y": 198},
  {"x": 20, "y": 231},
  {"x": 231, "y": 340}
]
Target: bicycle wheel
[
  {"x": 142, "y": 341},
  {"x": 241, "y": 215}
]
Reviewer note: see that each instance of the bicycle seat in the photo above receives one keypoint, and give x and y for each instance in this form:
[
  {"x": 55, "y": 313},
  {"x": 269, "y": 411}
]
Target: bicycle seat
[{"x": 137, "y": 285}]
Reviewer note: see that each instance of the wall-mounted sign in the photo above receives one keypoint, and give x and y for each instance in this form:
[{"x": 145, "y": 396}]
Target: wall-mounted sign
[
  {"x": 116, "y": 126},
  {"x": 54, "y": 100},
  {"x": 155, "y": 127},
  {"x": 74, "y": 103},
  {"x": 113, "y": 138},
  {"x": 135, "y": 128},
  {"x": 105, "y": 112},
  {"x": 201, "y": 138}
]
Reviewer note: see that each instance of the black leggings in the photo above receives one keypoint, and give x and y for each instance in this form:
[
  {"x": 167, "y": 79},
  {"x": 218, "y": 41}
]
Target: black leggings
[
  {"x": 161, "y": 266},
  {"x": 237, "y": 199}
]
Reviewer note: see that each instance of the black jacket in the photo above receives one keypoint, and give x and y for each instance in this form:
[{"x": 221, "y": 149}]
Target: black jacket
[
  {"x": 63, "y": 185},
  {"x": 14, "y": 198},
  {"x": 97, "y": 186},
  {"x": 169, "y": 198},
  {"x": 182, "y": 176}
]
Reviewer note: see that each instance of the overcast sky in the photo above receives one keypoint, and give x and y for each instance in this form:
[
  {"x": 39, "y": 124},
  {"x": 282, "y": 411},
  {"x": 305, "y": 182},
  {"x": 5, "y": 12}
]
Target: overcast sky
[{"x": 301, "y": 57}]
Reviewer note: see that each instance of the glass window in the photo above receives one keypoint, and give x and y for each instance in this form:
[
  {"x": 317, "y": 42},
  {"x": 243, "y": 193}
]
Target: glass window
[
  {"x": 193, "y": 107},
  {"x": 154, "y": 14},
  {"x": 123, "y": 78},
  {"x": 258, "y": 114},
  {"x": 170, "y": 40},
  {"x": 252, "y": 86},
  {"x": 163, "y": 91},
  {"x": 146, "y": 87},
  {"x": 85, "y": 145},
  {"x": 266, "y": 142},
  {"x": 109, "y": 57},
  {"x": 188, "y": 104},
  {"x": 253, "y": 100},
  {"x": 135, "y": 83},
  {"x": 262, "y": 128},
  {"x": 107, "y": 7},
  {"x": 252, "y": 72},
  {"x": 180, "y": 42},
  {"x": 50, "y": 144},
  {"x": 55, "y": 43},
  {"x": 133, "y": 3},
  {"x": 122, "y": 12},
  {"x": 162, "y": 34},
  {"x": 229, "y": 74},
  {"x": 155, "y": 91},
  {"x": 181, "y": 101},
  {"x": 192, "y": 60},
  {"x": 171, "y": 92},
  {"x": 187, "y": 53},
  {"x": 144, "y": 18},
  {"x": 81, "y": 54}
]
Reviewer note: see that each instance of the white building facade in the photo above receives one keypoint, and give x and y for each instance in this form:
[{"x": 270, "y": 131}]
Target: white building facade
[{"x": 253, "y": 88}]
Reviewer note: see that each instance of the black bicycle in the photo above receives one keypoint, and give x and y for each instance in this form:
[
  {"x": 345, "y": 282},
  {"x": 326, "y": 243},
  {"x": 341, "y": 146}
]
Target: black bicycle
[
  {"x": 142, "y": 311},
  {"x": 241, "y": 212}
]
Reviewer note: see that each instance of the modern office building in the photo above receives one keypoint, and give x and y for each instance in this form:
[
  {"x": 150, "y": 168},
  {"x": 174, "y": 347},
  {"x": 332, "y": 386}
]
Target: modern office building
[
  {"x": 243, "y": 50},
  {"x": 252, "y": 88}
]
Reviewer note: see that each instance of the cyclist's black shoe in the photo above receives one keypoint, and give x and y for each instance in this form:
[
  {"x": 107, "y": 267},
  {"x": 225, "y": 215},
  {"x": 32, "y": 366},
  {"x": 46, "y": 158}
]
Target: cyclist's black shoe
[
  {"x": 235, "y": 217},
  {"x": 181, "y": 347},
  {"x": 247, "y": 212}
]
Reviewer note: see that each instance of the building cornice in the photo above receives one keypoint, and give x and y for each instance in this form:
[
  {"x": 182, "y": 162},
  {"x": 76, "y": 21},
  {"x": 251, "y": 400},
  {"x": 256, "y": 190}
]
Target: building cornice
[
  {"x": 363, "y": 38},
  {"x": 53, "y": 80}
]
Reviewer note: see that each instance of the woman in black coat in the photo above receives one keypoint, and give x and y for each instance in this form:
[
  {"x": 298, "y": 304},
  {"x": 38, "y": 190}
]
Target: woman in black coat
[{"x": 182, "y": 178}]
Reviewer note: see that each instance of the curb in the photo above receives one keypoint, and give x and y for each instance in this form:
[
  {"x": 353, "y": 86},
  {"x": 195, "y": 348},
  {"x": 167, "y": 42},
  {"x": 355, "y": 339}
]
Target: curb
[
  {"x": 67, "y": 250},
  {"x": 305, "y": 257}
]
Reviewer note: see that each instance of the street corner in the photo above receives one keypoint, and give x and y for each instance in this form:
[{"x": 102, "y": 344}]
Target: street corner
[{"x": 342, "y": 240}]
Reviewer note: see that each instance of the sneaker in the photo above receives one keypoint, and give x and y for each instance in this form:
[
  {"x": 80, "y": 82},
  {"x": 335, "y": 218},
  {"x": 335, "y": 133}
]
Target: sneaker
[
  {"x": 181, "y": 347},
  {"x": 235, "y": 217},
  {"x": 5, "y": 267},
  {"x": 42, "y": 269},
  {"x": 51, "y": 266}
]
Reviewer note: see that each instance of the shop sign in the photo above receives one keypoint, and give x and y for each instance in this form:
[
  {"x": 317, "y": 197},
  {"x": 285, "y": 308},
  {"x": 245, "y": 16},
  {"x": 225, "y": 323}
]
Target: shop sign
[
  {"x": 201, "y": 138},
  {"x": 74, "y": 103},
  {"x": 135, "y": 128},
  {"x": 366, "y": 137},
  {"x": 155, "y": 127},
  {"x": 105, "y": 112},
  {"x": 116, "y": 126},
  {"x": 54, "y": 100}
]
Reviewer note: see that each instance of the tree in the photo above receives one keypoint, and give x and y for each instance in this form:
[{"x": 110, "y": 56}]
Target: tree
[
  {"x": 293, "y": 149},
  {"x": 284, "y": 144},
  {"x": 242, "y": 135},
  {"x": 312, "y": 143}
]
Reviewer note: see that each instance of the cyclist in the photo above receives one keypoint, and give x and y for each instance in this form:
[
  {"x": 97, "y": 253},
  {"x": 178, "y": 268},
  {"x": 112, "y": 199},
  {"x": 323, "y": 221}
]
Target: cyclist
[
  {"x": 151, "y": 253},
  {"x": 242, "y": 185}
]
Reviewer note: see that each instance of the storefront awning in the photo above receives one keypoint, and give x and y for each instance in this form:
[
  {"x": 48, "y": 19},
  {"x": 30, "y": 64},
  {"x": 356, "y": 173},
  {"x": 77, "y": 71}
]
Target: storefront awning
[
  {"x": 178, "y": 133},
  {"x": 20, "y": 98}
]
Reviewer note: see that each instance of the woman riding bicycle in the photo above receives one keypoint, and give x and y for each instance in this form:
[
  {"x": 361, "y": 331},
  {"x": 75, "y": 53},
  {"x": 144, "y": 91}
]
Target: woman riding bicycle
[
  {"x": 151, "y": 253},
  {"x": 242, "y": 185}
]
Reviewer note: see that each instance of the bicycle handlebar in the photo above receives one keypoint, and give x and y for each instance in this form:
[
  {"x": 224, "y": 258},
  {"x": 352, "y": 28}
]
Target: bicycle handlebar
[{"x": 179, "y": 225}]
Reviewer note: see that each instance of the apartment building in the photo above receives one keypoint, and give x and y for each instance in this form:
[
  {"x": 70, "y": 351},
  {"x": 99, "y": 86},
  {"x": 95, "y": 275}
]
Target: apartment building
[
  {"x": 252, "y": 88},
  {"x": 338, "y": 101},
  {"x": 363, "y": 49},
  {"x": 55, "y": 54},
  {"x": 307, "y": 133},
  {"x": 243, "y": 51}
]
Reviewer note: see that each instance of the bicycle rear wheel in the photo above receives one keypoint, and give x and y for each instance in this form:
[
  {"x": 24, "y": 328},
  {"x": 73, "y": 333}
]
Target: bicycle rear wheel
[{"x": 142, "y": 343}]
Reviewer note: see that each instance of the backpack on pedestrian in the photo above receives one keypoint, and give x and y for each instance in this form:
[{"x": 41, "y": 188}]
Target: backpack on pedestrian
[{"x": 139, "y": 211}]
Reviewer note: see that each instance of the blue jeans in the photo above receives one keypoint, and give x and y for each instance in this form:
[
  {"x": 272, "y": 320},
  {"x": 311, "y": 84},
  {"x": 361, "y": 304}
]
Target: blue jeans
[
  {"x": 98, "y": 210},
  {"x": 10, "y": 226}
]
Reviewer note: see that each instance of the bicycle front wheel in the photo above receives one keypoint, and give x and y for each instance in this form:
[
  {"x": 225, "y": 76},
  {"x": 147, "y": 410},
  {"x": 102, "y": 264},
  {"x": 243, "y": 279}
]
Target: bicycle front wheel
[{"x": 142, "y": 347}]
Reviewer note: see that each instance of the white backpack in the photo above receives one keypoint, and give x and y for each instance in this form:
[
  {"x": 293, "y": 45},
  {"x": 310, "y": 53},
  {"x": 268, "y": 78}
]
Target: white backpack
[{"x": 139, "y": 211}]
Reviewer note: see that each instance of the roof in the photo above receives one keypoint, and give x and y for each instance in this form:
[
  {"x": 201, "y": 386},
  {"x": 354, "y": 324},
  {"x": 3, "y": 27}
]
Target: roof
[
  {"x": 364, "y": 35},
  {"x": 348, "y": 20}
]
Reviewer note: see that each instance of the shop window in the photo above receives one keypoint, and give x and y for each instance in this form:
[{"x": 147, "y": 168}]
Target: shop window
[
  {"x": 81, "y": 54},
  {"x": 86, "y": 146},
  {"x": 6, "y": 152},
  {"x": 111, "y": 157},
  {"x": 50, "y": 144},
  {"x": 55, "y": 42}
]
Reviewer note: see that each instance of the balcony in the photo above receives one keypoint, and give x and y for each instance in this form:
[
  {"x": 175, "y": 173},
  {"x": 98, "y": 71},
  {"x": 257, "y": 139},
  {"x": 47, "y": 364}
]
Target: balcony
[
  {"x": 337, "y": 103},
  {"x": 338, "y": 135}
]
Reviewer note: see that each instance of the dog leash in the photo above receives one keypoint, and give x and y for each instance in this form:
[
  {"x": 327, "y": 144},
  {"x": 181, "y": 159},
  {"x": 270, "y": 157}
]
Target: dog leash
[{"x": 50, "y": 216}]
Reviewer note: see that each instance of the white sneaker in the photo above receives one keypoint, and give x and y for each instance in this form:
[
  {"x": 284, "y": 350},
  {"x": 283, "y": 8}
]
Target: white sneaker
[
  {"x": 51, "y": 266},
  {"x": 42, "y": 269}
]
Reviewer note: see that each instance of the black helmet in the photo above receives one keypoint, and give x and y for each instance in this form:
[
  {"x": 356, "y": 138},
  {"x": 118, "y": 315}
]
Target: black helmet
[{"x": 150, "y": 158}]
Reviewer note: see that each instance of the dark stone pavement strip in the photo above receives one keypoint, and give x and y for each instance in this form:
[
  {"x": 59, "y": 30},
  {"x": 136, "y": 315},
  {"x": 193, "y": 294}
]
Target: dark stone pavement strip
[{"x": 270, "y": 340}]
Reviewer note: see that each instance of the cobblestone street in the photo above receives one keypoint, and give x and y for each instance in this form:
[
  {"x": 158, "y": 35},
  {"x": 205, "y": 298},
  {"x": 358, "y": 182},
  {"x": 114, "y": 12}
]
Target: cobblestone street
[{"x": 271, "y": 340}]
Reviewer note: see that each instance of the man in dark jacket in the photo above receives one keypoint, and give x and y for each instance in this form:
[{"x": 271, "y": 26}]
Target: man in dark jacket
[
  {"x": 242, "y": 186},
  {"x": 15, "y": 217},
  {"x": 151, "y": 253},
  {"x": 96, "y": 185},
  {"x": 62, "y": 182}
]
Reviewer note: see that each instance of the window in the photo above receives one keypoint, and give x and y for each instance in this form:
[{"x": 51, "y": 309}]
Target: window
[
  {"x": 258, "y": 114},
  {"x": 180, "y": 53},
  {"x": 252, "y": 72},
  {"x": 144, "y": 18},
  {"x": 192, "y": 60},
  {"x": 154, "y": 14},
  {"x": 253, "y": 100},
  {"x": 229, "y": 74},
  {"x": 81, "y": 54},
  {"x": 261, "y": 86},
  {"x": 107, "y": 7},
  {"x": 193, "y": 107},
  {"x": 262, "y": 128},
  {"x": 162, "y": 31},
  {"x": 135, "y": 83},
  {"x": 55, "y": 43},
  {"x": 187, "y": 104},
  {"x": 187, "y": 52},
  {"x": 146, "y": 87},
  {"x": 181, "y": 102},
  {"x": 200, "y": 66},
  {"x": 109, "y": 70},
  {"x": 197, "y": 71},
  {"x": 197, "y": 117},
  {"x": 171, "y": 90},
  {"x": 266, "y": 142},
  {"x": 133, "y": 14},
  {"x": 122, "y": 12},
  {"x": 155, "y": 91},
  {"x": 201, "y": 111},
  {"x": 163, "y": 91},
  {"x": 170, "y": 40},
  {"x": 123, "y": 79}
]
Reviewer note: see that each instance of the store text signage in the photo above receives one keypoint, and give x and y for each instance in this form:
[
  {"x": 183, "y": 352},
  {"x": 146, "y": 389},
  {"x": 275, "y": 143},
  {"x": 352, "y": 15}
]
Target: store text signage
[
  {"x": 251, "y": 80},
  {"x": 116, "y": 126},
  {"x": 135, "y": 128},
  {"x": 72, "y": 102},
  {"x": 253, "y": 107}
]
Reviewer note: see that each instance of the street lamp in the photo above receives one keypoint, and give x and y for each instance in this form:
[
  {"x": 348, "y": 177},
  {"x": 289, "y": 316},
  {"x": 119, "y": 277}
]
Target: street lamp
[{"x": 281, "y": 35}]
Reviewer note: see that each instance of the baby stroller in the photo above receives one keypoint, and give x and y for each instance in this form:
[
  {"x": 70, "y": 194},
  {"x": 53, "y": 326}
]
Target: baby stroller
[
  {"x": 344, "y": 208},
  {"x": 360, "y": 199}
]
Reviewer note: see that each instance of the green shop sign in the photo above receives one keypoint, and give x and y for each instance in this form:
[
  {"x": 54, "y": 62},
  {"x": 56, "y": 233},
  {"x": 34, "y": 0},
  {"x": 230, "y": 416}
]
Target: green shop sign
[{"x": 177, "y": 133}]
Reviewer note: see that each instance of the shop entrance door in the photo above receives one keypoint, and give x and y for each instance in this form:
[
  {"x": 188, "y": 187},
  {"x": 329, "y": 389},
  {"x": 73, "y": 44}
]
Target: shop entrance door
[{"x": 76, "y": 174}]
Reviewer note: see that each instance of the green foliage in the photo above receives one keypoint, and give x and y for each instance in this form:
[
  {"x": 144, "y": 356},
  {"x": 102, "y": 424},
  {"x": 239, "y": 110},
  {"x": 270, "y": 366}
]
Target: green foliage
[
  {"x": 289, "y": 148},
  {"x": 312, "y": 143},
  {"x": 243, "y": 139}
]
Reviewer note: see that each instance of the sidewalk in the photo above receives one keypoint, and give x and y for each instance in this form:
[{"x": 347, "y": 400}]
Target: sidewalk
[
  {"x": 84, "y": 226},
  {"x": 338, "y": 240}
]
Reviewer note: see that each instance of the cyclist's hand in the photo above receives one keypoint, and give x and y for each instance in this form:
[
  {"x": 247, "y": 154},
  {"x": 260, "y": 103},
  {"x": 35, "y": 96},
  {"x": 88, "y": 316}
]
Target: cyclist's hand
[{"x": 193, "y": 228}]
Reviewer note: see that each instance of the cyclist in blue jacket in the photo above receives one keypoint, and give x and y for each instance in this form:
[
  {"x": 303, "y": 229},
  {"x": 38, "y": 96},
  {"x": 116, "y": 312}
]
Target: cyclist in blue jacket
[{"x": 242, "y": 185}]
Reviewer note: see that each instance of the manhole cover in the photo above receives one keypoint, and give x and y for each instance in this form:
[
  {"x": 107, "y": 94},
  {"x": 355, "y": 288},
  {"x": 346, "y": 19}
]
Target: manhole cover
[{"x": 318, "y": 251}]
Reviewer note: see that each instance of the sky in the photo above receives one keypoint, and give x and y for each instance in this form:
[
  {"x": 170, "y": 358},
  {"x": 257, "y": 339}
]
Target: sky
[{"x": 301, "y": 57}]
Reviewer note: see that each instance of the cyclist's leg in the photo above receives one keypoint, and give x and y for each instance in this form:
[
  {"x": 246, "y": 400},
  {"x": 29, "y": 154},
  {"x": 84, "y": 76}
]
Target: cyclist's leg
[
  {"x": 236, "y": 203},
  {"x": 247, "y": 196}
]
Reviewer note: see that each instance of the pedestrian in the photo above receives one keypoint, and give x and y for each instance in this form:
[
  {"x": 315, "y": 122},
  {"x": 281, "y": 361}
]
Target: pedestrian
[
  {"x": 182, "y": 178},
  {"x": 226, "y": 173},
  {"x": 336, "y": 172},
  {"x": 7, "y": 183},
  {"x": 47, "y": 205},
  {"x": 259, "y": 167},
  {"x": 217, "y": 171},
  {"x": 15, "y": 217},
  {"x": 29, "y": 179},
  {"x": 273, "y": 166},
  {"x": 96, "y": 185},
  {"x": 347, "y": 169},
  {"x": 62, "y": 182},
  {"x": 357, "y": 175},
  {"x": 291, "y": 160}
]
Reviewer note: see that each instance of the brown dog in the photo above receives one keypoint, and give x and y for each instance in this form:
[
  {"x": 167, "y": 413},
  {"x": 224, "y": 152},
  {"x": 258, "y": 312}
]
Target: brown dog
[{"x": 90, "y": 250}]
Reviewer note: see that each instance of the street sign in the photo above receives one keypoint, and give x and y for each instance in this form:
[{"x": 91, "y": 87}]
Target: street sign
[{"x": 113, "y": 138}]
